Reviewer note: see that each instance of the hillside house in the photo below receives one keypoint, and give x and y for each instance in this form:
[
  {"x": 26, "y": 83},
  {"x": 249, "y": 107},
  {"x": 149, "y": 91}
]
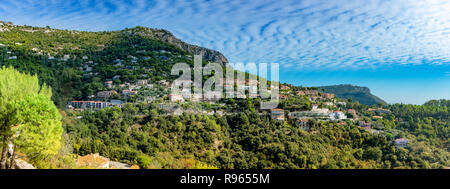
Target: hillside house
[
  {"x": 128, "y": 92},
  {"x": 88, "y": 104},
  {"x": 337, "y": 115},
  {"x": 300, "y": 93},
  {"x": 327, "y": 95},
  {"x": 106, "y": 94},
  {"x": 141, "y": 82},
  {"x": 308, "y": 92},
  {"x": 284, "y": 87},
  {"x": 109, "y": 84},
  {"x": 277, "y": 114},
  {"x": 303, "y": 124},
  {"x": 283, "y": 97},
  {"x": 318, "y": 113},
  {"x": 113, "y": 103},
  {"x": 328, "y": 103}
]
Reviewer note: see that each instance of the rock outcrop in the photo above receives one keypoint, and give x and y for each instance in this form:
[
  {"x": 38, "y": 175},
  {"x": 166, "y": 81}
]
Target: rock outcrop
[
  {"x": 21, "y": 164},
  {"x": 168, "y": 37}
]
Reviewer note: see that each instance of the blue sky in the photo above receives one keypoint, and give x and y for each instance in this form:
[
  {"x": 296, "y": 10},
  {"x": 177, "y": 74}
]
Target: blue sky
[{"x": 400, "y": 49}]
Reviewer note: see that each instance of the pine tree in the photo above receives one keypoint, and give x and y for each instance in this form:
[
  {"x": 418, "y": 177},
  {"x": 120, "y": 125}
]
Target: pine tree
[{"x": 28, "y": 118}]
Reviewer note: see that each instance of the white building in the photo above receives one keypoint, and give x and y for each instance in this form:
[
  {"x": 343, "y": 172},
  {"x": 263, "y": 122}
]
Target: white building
[
  {"x": 141, "y": 82},
  {"x": 320, "y": 113},
  {"x": 337, "y": 115},
  {"x": 66, "y": 57}
]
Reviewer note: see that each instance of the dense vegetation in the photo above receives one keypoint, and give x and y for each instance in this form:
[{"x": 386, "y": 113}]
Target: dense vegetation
[{"x": 248, "y": 140}]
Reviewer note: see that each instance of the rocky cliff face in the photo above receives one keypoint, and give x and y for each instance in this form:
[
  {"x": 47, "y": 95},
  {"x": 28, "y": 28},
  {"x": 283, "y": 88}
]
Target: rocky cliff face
[{"x": 166, "y": 36}]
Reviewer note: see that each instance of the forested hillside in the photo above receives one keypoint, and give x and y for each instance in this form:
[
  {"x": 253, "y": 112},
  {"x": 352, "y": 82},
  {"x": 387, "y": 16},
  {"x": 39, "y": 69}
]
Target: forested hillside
[
  {"x": 77, "y": 63},
  {"x": 247, "y": 140}
]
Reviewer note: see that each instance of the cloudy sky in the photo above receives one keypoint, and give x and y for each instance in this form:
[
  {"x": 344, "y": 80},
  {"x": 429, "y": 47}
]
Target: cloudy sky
[{"x": 400, "y": 49}]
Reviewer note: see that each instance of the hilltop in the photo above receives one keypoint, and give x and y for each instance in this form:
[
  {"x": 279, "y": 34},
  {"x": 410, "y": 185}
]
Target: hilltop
[{"x": 356, "y": 93}]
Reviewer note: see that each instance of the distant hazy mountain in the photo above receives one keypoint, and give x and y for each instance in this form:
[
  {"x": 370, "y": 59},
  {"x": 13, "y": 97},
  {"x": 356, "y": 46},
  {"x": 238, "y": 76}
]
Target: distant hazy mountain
[{"x": 356, "y": 93}]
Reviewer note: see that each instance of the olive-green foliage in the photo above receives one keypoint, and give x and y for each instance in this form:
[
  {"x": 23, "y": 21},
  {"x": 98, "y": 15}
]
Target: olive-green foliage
[{"x": 243, "y": 140}]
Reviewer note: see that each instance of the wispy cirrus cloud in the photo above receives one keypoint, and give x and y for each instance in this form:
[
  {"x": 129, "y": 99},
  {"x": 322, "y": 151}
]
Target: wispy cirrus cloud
[{"x": 313, "y": 34}]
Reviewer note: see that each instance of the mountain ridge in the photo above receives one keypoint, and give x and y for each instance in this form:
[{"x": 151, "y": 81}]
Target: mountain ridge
[
  {"x": 168, "y": 37},
  {"x": 357, "y": 93}
]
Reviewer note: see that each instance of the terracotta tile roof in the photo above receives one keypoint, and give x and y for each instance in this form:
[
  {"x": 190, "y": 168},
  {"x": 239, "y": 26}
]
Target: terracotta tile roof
[{"x": 92, "y": 160}]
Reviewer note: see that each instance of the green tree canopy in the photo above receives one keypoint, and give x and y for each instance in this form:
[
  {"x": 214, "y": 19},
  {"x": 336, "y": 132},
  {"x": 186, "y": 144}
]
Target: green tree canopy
[{"x": 28, "y": 117}]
